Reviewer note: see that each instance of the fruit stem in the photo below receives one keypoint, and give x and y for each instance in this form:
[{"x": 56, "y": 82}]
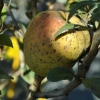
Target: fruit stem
[
  {"x": 37, "y": 82},
  {"x": 36, "y": 87}
]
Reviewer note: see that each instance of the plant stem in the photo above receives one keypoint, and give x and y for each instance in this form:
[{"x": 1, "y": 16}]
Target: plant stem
[{"x": 34, "y": 7}]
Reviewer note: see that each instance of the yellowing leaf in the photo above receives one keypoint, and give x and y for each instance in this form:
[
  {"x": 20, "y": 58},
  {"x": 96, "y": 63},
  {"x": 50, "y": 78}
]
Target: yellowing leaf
[
  {"x": 14, "y": 53},
  {"x": 41, "y": 99}
]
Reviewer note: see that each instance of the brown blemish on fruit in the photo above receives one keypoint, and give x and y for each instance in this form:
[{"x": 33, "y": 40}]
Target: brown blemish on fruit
[
  {"x": 59, "y": 59},
  {"x": 46, "y": 52},
  {"x": 43, "y": 44},
  {"x": 54, "y": 50},
  {"x": 50, "y": 45},
  {"x": 65, "y": 47}
]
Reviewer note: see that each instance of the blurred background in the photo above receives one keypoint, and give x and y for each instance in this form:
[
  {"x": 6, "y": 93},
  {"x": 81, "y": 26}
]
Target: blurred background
[{"x": 13, "y": 58}]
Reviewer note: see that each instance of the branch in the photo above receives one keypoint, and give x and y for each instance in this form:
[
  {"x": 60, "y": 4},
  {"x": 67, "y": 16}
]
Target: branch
[
  {"x": 84, "y": 67},
  {"x": 12, "y": 16},
  {"x": 82, "y": 70},
  {"x": 34, "y": 7},
  {"x": 33, "y": 11},
  {"x": 20, "y": 32}
]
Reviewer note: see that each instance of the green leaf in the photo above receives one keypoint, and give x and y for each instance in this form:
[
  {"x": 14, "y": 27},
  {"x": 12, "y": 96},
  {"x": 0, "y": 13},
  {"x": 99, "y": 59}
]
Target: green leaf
[
  {"x": 60, "y": 73},
  {"x": 64, "y": 29},
  {"x": 95, "y": 17},
  {"x": 27, "y": 74},
  {"x": 93, "y": 84},
  {"x": 13, "y": 5},
  {"x": 99, "y": 41},
  {"x": 5, "y": 40},
  {"x": 78, "y": 5},
  {"x": 4, "y": 14},
  {"x": 4, "y": 75}
]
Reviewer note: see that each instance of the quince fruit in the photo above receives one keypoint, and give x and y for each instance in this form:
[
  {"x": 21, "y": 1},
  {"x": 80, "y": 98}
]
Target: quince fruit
[{"x": 43, "y": 52}]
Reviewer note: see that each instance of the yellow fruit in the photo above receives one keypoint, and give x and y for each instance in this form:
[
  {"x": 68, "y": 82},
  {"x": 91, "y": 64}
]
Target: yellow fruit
[{"x": 42, "y": 52}]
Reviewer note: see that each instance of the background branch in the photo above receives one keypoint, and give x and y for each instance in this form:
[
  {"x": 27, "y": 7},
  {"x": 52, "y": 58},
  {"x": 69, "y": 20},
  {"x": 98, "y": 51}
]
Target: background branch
[
  {"x": 16, "y": 26},
  {"x": 12, "y": 16},
  {"x": 34, "y": 7},
  {"x": 36, "y": 87}
]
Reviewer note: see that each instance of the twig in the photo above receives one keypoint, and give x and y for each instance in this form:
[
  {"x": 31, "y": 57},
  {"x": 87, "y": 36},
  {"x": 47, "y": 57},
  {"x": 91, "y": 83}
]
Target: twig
[
  {"x": 9, "y": 3},
  {"x": 13, "y": 19},
  {"x": 34, "y": 7},
  {"x": 12, "y": 16},
  {"x": 82, "y": 70},
  {"x": 57, "y": 93},
  {"x": 36, "y": 87}
]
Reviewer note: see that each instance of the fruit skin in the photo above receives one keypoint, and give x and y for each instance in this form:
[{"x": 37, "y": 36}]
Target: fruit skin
[{"x": 42, "y": 52}]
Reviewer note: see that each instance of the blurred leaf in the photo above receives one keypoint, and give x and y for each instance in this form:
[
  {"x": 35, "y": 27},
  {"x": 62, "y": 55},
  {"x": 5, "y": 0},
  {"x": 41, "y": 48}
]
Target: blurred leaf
[
  {"x": 42, "y": 99},
  {"x": 3, "y": 14},
  {"x": 13, "y": 5},
  {"x": 78, "y": 5},
  {"x": 95, "y": 17},
  {"x": 93, "y": 84},
  {"x": 29, "y": 14},
  {"x": 4, "y": 75},
  {"x": 5, "y": 40},
  {"x": 64, "y": 29},
  {"x": 14, "y": 53},
  {"x": 60, "y": 73},
  {"x": 61, "y": 1},
  {"x": 99, "y": 41},
  {"x": 29, "y": 76},
  {"x": 71, "y": 3},
  {"x": 27, "y": 72},
  {"x": 0, "y": 92}
]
